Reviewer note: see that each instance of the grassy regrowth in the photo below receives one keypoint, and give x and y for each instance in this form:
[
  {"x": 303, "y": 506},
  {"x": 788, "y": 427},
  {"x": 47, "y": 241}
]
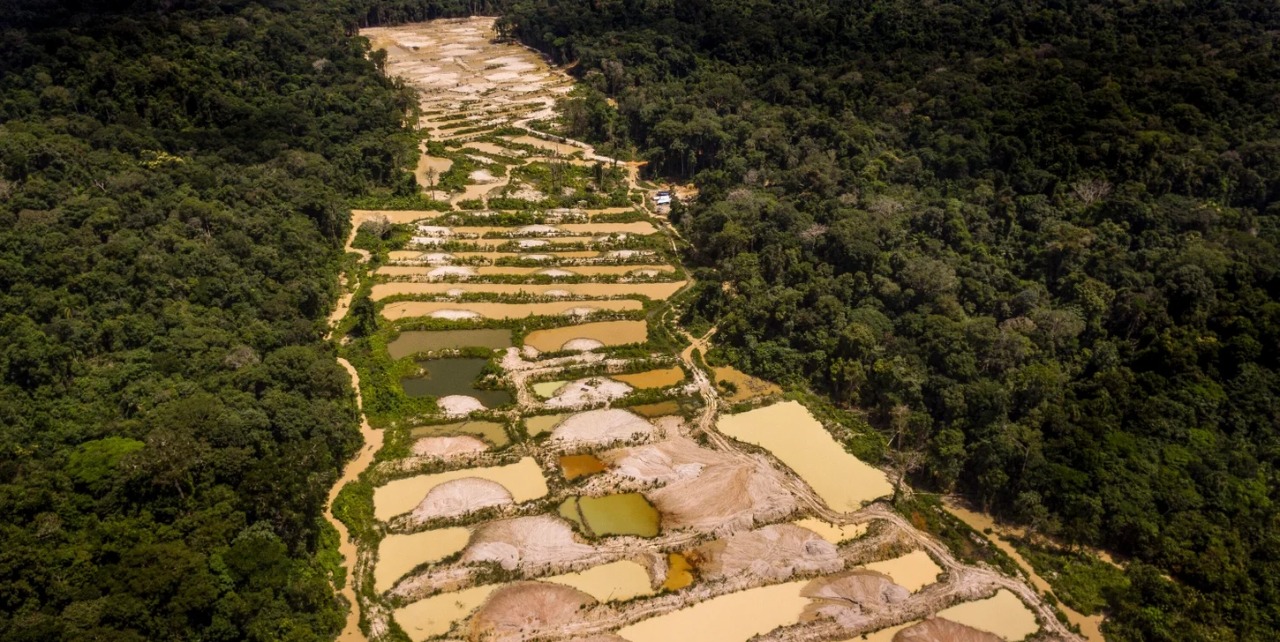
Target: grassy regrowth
[
  {"x": 328, "y": 555},
  {"x": 1080, "y": 580}
]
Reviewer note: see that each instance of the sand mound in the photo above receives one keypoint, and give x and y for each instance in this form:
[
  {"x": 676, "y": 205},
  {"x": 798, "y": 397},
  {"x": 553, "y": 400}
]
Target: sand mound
[
  {"x": 455, "y": 315},
  {"x": 774, "y": 552},
  {"x": 580, "y": 311},
  {"x": 627, "y": 254},
  {"x": 936, "y": 629},
  {"x": 525, "y": 541},
  {"x": 455, "y": 292},
  {"x": 706, "y": 489},
  {"x": 434, "y": 230},
  {"x": 556, "y": 293},
  {"x": 461, "y": 496},
  {"x": 536, "y": 257},
  {"x": 602, "y": 426},
  {"x": 451, "y": 270},
  {"x": 482, "y": 176},
  {"x": 555, "y": 273},
  {"x": 846, "y": 597},
  {"x": 445, "y": 447},
  {"x": 532, "y": 243},
  {"x": 581, "y": 345},
  {"x": 534, "y": 230},
  {"x": 526, "y": 610},
  {"x": 588, "y": 391},
  {"x": 437, "y": 258},
  {"x": 459, "y": 405}
]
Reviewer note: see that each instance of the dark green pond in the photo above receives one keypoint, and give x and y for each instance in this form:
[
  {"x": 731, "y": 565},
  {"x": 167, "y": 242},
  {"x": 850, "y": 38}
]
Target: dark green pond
[{"x": 453, "y": 377}]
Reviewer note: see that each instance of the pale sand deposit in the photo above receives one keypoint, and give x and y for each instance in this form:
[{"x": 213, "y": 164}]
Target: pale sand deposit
[
  {"x": 531, "y": 542},
  {"x": 588, "y": 391},
  {"x": 399, "y": 554},
  {"x": 523, "y": 480},
  {"x": 602, "y": 427},
  {"x": 798, "y": 440},
  {"x": 1003, "y": 614},
  {"x": 775, "y": 553},
  {"x": 446, "y": 447}
]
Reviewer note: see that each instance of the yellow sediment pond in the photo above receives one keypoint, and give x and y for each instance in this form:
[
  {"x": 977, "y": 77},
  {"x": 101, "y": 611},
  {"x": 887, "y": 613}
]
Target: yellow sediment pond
[
  {"x": 1003, "y": 614},
  {"x": 640, "y": 228},
  {"x": 507, "y": 270},
  {"x": 411, "y": 309},
  {"x": 679, "y": 572},
  {"x": 575, "y": 466},
  {"x": 787, "y": 430},
  {"x": 736, "y": 617},
  {"x": 831, "y": 532},
  {"x": 609, "y": 333},
  {"x": 542, "y": 424},
  {"x": 490, "y": 431},
  {"x": 656, "y": 291},
  {"x": 399, "y": 554},
  {"x": 663, "y": 378},
  {"x": 617, "y": 581},
  {"x": 747, "y": 386},
  {"x": 547, "y": 389},
  {"x": 437, "y": 614},
  {"x": 651, "y": 410},
  {"x": 912, "y": 571},
  {"x": 522, "y": 479}
]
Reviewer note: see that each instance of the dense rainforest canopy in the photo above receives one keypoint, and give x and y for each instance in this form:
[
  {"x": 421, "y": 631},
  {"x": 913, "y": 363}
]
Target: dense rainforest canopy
[
  {"x": 172, "y": 178},
  {"x": 1035, "y": 241}
]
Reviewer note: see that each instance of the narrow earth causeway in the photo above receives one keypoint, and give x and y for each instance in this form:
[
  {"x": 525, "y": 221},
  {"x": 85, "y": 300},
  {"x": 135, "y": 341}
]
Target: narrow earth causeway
[{"x": 573, "y": 471}]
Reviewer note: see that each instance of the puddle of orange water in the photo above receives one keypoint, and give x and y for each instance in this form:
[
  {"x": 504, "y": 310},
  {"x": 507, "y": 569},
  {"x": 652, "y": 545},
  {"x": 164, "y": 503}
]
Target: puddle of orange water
[
  {"x": 679, "y": 572},
  {"x": 575, "y": 466}
]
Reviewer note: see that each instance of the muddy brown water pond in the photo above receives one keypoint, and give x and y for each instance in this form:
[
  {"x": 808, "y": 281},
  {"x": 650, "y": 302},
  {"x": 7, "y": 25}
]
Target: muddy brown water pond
[
  {"x": 798, "y": 440},
  {"x": 912, "y": 571},
  {"x": 543, "y": 424},
  {"x": 399, "y": 554},
  {"x": 613, "y": 582},
  {"x": 608, "y": 333},
  {"x": 660, "y": 409},
  {"x": 735, "y": 617},
  {"x": 679, "y": 572},
  {"x": 656, "y": 291},
  {"x": 415, "y": 341},
  {"x": 523, "y": 479},
  {"x": 576, "y": 466},
  {"x": 454, "y": 377},
  {"x": 624, "y": 514},
  {"x": 490, "y": 431},
  {"x": 1003, "y": 614},
  {"x": 663, "y": 378}
]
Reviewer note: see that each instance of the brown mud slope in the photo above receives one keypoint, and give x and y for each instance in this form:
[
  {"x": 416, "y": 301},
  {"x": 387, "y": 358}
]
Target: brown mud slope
[
  {"x": 525, "y": 610},
  {"x": 939, "y": 630}
]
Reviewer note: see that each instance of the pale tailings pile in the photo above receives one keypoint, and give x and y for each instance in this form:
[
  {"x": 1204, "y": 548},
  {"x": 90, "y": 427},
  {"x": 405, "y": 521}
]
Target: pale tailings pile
[
  {"x": 461, "y": 496},
  {"x": 602, "y": 427},
  {"x": 773, "y": 553},
  {"x": 459, "y": 405},
  {"x": 540, "y": 540},
  {"x": 848, "y": 597},
  {"x": 706, "y": 489},
  {"x": 589, "y": 391},
  {"x": 445, "y": 447},
  {"x": 527, "y": 609},
  {"x": 942, "y": 630}
]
